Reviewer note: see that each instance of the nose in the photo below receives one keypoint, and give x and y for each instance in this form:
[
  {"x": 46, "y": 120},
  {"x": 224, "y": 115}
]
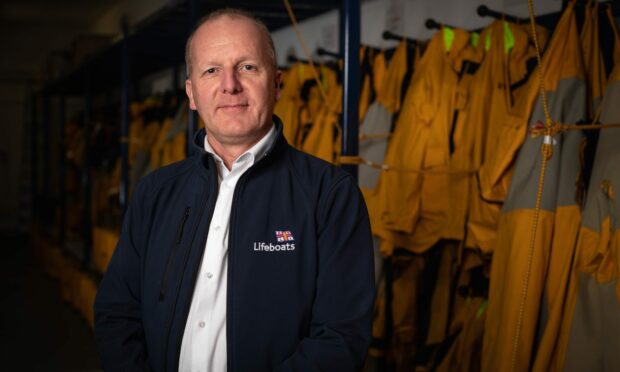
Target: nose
[{"x": 230, "y": 82}]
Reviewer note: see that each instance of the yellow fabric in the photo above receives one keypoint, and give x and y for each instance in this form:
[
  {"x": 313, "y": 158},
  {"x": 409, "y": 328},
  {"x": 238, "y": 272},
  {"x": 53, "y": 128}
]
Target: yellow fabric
[
  {"x": 104, "y": 244},
  {"x": 464, "y": 354},
  {"x": 287, "y": 108},
  {"x": 442, "y": 293},
  {"x": 371, "y": 81},
  {"x": 462, "y": 296},
  {"x": 367, "y": 88},
  {"x": 596, "y": 78},
  {"x": 408, "y": 272},
  {"x": 515, "y": 306},
  {"x": 506, "y": 286},
  {"x": 489, "y": 109},
  {"x": 379, "y": 71},
  {"x": 390, "y": 92},
  {"x": 86, "y": 292},
  {"x": 507, "y": 130},
  {"x": 174, "y": 150},
  {"x": 308, "y": 114},
  {"x": 372, "y": 196},
  {"x": 321, "y": 141},
  {"x": 157, "y": 148},
  {"x": 408, "y": 202},
  {"x": 598, "y": 247}
]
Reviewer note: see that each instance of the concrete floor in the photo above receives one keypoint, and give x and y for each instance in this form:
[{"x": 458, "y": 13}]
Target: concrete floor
[{"x": 39, "y": 332}]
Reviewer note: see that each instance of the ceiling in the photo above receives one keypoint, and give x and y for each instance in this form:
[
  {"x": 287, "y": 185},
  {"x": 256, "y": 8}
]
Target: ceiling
[{"x": 64, "y": 13}]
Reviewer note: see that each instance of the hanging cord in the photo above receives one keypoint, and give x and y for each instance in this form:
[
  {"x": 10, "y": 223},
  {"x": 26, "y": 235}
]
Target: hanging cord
[
  {"x": 552, "y": 127},
  {"x": 315, "y": 74},
  {"x": 304, "y": 48},
  {"x": 549, "y": 129},
  {"x": 547, "y": 153}
]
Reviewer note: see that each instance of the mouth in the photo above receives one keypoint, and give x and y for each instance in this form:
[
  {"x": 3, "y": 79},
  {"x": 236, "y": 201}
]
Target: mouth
[{"x": 233, "y": 107}]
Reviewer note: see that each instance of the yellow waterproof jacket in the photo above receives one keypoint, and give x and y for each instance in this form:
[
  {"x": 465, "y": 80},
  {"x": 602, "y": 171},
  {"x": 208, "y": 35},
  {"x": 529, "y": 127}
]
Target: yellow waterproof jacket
[
  {"x": 157, "y": 148},
  {"x": 589, "y": 333},
  {"x": 323, "y": 140},
  {"x": 287, "y": 108},
  {"x": 175, "y": 142},
  {"x": 509, "y": 47},
  {"x": 596, "y": 78},
  {"x": 527, "y": 288},
  {"x": 375, "y": 134},
  {"x": 390, "y": 92},
  {"x": 412, "y": 206},
  {"x": 506, "y": 132},
  {"x": 371, "y": 79},
  {"x": 593, "y": 324},
  {"x": 379, "y": 71}
]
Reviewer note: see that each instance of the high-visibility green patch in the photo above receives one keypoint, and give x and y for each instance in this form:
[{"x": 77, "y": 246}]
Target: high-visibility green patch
[
  {"x": 448, "y": 38},
  {"x": 509, "y": 38},
  {"x": 475, "y": 37}
]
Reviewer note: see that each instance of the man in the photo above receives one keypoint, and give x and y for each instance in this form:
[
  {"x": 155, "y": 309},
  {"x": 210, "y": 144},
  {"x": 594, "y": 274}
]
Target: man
[{"x": 249, "y": 255}]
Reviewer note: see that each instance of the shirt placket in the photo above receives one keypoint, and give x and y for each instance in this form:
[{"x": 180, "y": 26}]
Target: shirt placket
[{"x": 214, "y": 271}]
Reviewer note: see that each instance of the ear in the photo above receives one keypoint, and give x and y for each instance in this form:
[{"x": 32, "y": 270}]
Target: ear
[
  {"x": 278, "y": 82},
  {"x": 190, "y": 94}
]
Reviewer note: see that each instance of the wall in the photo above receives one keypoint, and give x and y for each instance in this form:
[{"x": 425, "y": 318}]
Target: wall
[{"x": 404, "y": 17}]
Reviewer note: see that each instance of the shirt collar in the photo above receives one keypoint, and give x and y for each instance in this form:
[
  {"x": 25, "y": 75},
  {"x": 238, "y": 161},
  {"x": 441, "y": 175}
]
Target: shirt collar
[{"x": 255, "y": 152}]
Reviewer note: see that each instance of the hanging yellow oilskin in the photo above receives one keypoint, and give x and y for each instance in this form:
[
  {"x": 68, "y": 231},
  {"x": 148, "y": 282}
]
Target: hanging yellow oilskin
[
  {"x": 504, "y": 72},
  {"x": 407, "y": 200},
  {"x": 287, "y": 108},
  {"x": 529, "y": 276},
  {"x": 389, "y": 93},
  {"x": 590, "y": 333}
]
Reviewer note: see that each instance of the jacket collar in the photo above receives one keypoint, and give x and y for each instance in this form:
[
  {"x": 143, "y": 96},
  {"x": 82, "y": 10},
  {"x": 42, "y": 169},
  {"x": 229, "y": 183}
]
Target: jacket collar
[{"x": 279, "y": 143}]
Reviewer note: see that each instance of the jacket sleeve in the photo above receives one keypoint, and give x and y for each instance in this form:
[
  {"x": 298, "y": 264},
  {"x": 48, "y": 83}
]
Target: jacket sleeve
[
  {"x": 118, "y": 321},
  {"x": 340, "y": 330}
]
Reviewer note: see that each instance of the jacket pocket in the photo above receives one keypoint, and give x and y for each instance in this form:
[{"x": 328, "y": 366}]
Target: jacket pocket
[{"x": 175, "y": 246}]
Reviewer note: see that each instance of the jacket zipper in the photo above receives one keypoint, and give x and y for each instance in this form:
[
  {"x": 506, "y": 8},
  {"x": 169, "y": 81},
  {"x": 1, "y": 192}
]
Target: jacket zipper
[
  {"x": 197, "y": 266},
  {"x": 179, "y": 236},
  {"x": 231, "y": 236},
  {"x": 193, "y": 280}
]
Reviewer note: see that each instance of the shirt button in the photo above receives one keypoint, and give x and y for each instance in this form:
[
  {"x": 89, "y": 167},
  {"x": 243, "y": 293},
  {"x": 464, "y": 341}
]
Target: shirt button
[
  {"x": 209, "y": 275},
  {"x": 201, "y": 324},
  {"x": 216, "y": 228}
]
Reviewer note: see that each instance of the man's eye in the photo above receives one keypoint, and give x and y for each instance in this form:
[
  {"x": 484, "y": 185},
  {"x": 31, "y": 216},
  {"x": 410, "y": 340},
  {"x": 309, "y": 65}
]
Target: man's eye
[
  {"x": 249, "y": 67},
  {"x": 210, "y": 70}
]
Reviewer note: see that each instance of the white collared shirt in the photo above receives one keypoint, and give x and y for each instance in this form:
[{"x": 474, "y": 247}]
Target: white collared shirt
[{"x": 203, "y": 348}]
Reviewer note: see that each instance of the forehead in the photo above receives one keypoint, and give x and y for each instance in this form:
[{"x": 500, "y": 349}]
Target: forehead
[{"x": 234, "y": 33}]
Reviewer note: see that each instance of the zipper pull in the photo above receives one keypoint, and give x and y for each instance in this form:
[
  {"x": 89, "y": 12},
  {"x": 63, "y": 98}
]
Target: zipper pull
[{"x": 180, "y": 230}]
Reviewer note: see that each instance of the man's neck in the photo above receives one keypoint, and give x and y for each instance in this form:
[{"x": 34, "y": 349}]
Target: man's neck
[{"x": 229, "y": 153}]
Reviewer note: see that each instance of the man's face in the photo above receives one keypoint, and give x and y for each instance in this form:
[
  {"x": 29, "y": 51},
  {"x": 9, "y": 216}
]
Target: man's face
[{"x": 233, "y": 84}]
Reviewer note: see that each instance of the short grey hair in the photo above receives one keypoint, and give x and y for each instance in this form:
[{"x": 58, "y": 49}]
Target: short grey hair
[{"x": 232, "y": 13}]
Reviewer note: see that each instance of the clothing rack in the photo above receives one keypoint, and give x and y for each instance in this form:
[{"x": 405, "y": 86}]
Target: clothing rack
[
  {"x": 324, "y": 52},
  {"x": 484, "y": 11},
  {"x": 432, "y": 24},
  {"x": 388, "y": 35}
]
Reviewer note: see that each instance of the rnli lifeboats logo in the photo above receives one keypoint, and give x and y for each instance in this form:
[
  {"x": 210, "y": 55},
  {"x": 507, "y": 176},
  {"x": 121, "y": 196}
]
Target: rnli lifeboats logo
[{"x": 284, "y": 237}]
